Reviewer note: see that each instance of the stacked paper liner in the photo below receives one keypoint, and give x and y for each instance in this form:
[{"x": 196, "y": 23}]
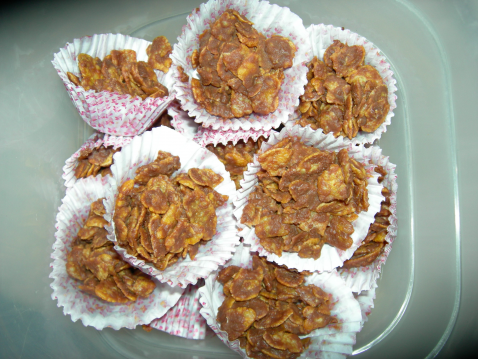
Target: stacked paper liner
[
  {"x": 322, "y": 36},
  {"x": 95, "y": 141},
  {"x": 91, "y": 310},
  {"x": 268, "y": 19},
  {"x": 332, "y": 341},
  {"x": 108, "y": 112},
  {"x": 143, "y": 150},
  {"x": 331, "y": 257},
  {"x": 207, "y": 136},
  {"x": 364, "y": 278},
  {"x": 184, "y": 319}
]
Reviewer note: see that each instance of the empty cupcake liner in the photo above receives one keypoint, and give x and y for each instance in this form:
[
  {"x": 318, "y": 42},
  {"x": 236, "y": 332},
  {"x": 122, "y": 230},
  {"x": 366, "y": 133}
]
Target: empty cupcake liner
[
  {"x": 93, "y": 311},
  {"x": 331, "y": 257},
  {"x": 335, "y": 338},
  {"x": 143, "y": 150},
  {"x": 364, "y": 278},
  {"x": 181, "y": 121},
  {"x": 94, "y": 141},
  {"x": 108, "y": 112},
  {"x": 268, "y": 19},
  {"x": 184, "y": 319},
  {"x": 322, "y": 36}
]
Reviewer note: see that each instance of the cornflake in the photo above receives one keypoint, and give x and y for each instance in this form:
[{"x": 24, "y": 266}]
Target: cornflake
[
  {"x": 158, "y": 54},
  {"x": 270, "y": 309},
  {"x": 343, "y": 95},
  {"x": 236, "y": 157},
  {"x": 374, "y": 243},
  {"x": 306, "y": 198},
  {"x": 159, "y": 218},
  {"x": 95, "y": 161},
  {"x": 241, "y": 71},
  {"x": 119, "y": 71},
  {"x": 94, "y": 261}
]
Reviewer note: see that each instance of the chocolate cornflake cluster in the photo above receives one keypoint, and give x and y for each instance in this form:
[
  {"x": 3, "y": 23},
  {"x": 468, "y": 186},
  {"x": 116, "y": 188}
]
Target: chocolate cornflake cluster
[
  {"x": 236, "y": 157},
  {"x": 241, "y": 71},
  {"x": 161, "y": 219},
  {"x": 374, "y": 244},
  {"x": 269, "y": 306},
  {"x": 120, "y": 72},
  {"x": 343, "y": 96},
  {"x": 94, "y": 261},
  {"x": 306, "y": 198},
  {"x": 95, "y": 161}
]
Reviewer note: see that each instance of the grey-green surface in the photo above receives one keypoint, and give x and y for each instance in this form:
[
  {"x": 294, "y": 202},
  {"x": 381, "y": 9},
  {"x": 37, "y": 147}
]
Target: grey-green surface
[{"x": 433, "y": 49}]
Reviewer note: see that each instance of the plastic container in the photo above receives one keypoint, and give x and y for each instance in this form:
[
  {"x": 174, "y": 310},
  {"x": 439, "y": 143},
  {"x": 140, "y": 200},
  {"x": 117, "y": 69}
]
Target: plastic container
[{"x": 432, "y": 49}]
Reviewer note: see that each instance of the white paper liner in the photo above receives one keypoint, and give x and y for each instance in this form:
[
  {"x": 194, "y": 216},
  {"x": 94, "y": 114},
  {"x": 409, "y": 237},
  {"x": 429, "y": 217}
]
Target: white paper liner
[
  {"x": 206, "y": 136},
  {"x": 366, "y": 299},
  {"x": 335, "y": 338},
  {"x": 143, "y": 150},
  {"x": 107, "y": 112},
  {"x": 184, "y": 319},
  {"x": 268, "y": 19},
  {"x": 331, "y": 257},
  {"x": 94, "y": 141},
  {"x": 91, "y": 310},
  {"x": 321, "y": 36},
  {"x": 181, "y": 121},
  {"x": 364, "y": 278}
]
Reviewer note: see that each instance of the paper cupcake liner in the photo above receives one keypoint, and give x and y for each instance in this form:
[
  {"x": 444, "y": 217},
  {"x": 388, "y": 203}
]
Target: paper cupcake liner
[
  {"x": 143, "y": 150},
  {"x": 321, "y": 36},
  {"x": 206, "y": 136},
  {"x": 184, "y": 319},
  {"x": 366, "y": 299},
  {"x": 331, "y": 257},
  {"x": 335, "y": 338},
  {"x": 108, "y": 112},
  {"x": 181, "y": 121},
  {"x": 94, "y": 141},
  {"x": 268, "y": 19},
  {"x": 91, "y": 310},
  {"x": 364, "y": 278}
]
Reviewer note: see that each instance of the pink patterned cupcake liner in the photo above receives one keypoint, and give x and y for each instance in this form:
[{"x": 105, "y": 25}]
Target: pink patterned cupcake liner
[
  {"x": 333, "y": 339},
  {"x": 364, "y": 278},
  {"x": 206, "y": 136},
  {"x": 94, "y": 141},
  {"x": 107, "y": 112},
  {"x": 184, "y": 319},
  {"x": 91, "y": 310},
  {"x": 321, "y": 36},
  {"x": 144, "y": 149},
  {"x": 268, "y": 19},
  {"x": 181, "y": 121},
  {"x": 331, "y": 257}
]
